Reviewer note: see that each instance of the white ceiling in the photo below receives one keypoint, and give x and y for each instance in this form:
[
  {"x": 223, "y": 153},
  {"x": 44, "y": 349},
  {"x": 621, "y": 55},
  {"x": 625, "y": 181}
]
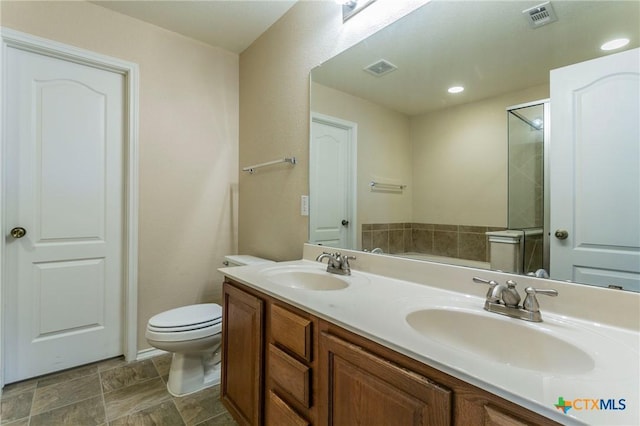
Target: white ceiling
[
  {"x": 229, "y": 24},
  {"x": 486, "y": 46}
]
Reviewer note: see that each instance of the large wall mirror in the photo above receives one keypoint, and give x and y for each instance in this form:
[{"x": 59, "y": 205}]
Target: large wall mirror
[{"x": 401, "y": 166}]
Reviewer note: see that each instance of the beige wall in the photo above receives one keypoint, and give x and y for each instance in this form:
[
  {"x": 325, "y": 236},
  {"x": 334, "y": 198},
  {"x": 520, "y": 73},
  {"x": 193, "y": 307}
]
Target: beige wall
[
  {"x": 384, "y": 154},
  {"x": 188, "y": 145},
  {"x": 450, "y": 159},
  {"x": 274, "y": 116},
  {"x": 460, "y": 161}
]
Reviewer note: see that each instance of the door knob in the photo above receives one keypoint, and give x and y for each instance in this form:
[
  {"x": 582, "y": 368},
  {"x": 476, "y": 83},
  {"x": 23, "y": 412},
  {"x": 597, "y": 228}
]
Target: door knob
[
  {"x": 345, "y": 222},
  {"x": 561, "y": 234},
  {"x": 18, "y": 232}
]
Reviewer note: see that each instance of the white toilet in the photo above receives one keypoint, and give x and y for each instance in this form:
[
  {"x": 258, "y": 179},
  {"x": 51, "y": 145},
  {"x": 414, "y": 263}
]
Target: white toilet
[{"x": 194, "y": 334}]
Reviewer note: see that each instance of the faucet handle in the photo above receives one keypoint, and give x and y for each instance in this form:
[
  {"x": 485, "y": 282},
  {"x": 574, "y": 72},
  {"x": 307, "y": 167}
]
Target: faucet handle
[
  {"x": 531, "y": 302},
  {"x": 483, "y": 281},
  {"x": 337, "y": 256},
  {"x": 345, "y": 261},
  {"x": 492, "y": 284}
]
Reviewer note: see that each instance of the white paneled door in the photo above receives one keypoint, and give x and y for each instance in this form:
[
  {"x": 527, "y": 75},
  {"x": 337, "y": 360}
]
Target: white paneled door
[
  {"x": 64, "y": 211},
  {"x": 595, "y": 171},
  {"x": 331, "y": 182}
]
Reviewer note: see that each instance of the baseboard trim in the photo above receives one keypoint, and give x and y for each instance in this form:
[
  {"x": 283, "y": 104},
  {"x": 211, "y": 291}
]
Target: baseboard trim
[{"x": 149, "y": 353}]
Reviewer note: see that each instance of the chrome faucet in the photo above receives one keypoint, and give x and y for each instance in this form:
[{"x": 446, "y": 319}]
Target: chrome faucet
[
  {"x": 504, "y": 299},
  {"x": 337, "y": 263}
]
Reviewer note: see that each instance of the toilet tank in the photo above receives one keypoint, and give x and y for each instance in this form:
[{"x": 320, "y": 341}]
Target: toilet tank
[
  {"x": 506, "y": 250},
  {"x": 243, "y": 259}
]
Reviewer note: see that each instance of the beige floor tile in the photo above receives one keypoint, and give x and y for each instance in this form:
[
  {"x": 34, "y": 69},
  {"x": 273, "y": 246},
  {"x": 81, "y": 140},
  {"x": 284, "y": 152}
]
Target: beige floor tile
[
  {"x": 108, "y": 364},
  {"x": 127, "y": 375},
  {"x": 66, "y": 375},
  {"x": 162, "y": 363},
  {"x": 131, "y": 394},
  {"x": 19, "y": 387},
  {"x": 64, "y": 393},
  {"x": 224, "y": 419},
  {"x": 89, "y": 412},
  {"x": 16, "y": 407},
  {"x": 162, "y": 414},
  {"x": 131, "y": 399},
  {"x": 200, "y": 406},
  {"x": 21, "y": 422}
]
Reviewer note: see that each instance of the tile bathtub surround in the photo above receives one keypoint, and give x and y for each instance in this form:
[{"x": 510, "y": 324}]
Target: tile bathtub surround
[
  {"x": 457, "y": 241},
  {"x": 112, "y": 392}
]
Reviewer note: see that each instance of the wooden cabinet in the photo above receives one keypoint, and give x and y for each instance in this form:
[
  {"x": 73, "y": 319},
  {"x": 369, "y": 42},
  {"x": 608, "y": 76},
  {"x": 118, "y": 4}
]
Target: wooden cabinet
[
  {"x": 361, "y": 388},
  {"x": 281, "y": 414},
  {"x": 242, "y": 355},
  {"x": 496, "y": 417},
  {"x": 290, "y": 362},
  {"x": 292, "y": 331},
  {"x": 282, "y": 366},
  {"x": 479, "y": 408}
]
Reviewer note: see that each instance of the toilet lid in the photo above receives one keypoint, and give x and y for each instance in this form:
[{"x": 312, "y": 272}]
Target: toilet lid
[{"x": 188, "y": 317}]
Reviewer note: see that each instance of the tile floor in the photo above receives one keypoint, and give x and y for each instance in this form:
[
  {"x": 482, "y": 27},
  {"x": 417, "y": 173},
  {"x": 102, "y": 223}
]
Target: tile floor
[{"x": 111, "y": 392}]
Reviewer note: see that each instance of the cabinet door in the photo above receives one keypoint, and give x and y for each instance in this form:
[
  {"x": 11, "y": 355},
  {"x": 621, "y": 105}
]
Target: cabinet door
[
  {"x": 496, "y": 417},
  {"x": 361, "y": 388},
  {"x": 242, "y": 355}
]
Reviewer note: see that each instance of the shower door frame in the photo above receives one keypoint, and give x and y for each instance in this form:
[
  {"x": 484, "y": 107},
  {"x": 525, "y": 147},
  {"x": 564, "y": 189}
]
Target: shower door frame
[{"x": 546, "y": 140}]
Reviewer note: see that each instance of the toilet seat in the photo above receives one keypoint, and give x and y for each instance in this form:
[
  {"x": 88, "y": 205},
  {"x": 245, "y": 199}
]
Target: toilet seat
[
  {"x": 186, "y": 323},
  {"x": 183, "y": 336},
  {"x": 185, "y": 327}
]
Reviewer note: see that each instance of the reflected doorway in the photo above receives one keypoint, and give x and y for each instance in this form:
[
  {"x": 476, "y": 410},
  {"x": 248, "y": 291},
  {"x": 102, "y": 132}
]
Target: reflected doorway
[{"x": 332, "y": 179}]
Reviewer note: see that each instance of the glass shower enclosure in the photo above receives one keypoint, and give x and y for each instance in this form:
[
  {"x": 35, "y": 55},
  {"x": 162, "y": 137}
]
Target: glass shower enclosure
[{"x": 528, "y": 136}]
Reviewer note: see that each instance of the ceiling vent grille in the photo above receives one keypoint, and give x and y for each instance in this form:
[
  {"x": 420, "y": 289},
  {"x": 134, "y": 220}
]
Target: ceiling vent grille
[
  {"x": 540, "y": 15},
  {"x": 380, "y": 68}
]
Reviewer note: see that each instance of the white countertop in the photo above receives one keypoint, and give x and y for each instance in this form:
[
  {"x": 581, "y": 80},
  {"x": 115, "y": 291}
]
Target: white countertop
[{"x": 375, "y": 306}]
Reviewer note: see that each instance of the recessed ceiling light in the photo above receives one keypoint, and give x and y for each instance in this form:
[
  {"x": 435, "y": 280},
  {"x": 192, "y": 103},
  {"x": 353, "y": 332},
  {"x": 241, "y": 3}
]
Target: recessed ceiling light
[
  {"x": 455, "y": 89},
  {"x": 615, "y": 44}
]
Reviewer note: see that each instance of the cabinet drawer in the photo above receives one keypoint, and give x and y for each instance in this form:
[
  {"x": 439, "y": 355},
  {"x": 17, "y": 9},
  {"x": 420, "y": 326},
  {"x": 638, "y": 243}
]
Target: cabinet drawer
[
  {"x": 280, "y": 414},
  {"x": 291, "y": 331},
  {"x": 292, "y": 376}
]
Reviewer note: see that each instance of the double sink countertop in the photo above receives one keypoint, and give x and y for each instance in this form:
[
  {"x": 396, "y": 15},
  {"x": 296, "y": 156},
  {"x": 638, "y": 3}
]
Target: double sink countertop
[{"x": 587, "y": 347}]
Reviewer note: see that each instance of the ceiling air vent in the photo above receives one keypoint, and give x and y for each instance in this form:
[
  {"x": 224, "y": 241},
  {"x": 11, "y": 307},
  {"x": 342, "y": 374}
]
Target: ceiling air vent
[
  {"x": 380, "y": 68},
  {"x": 540, "y": 15}
]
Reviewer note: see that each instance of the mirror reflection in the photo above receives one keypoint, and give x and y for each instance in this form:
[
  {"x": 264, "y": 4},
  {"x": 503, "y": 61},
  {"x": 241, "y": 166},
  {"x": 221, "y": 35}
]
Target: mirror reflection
[{"x": 402, "y": 166}]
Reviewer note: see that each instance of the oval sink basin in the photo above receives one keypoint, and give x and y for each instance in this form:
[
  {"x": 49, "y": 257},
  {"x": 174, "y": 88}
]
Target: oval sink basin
[
  {"x": 501, "y": 339},
  {"x": 306, "y": 278}
]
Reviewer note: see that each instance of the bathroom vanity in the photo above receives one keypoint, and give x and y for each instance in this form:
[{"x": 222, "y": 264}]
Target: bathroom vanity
[
  {"x": 302, "y": 346},
  {"x": 291, "y": 368}
]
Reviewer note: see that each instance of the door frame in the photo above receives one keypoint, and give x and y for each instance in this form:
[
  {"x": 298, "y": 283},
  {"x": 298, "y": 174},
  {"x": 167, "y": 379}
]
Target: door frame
[
  {"x": 130, "y": 72},
  {"x": 352, "y": 186}
]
